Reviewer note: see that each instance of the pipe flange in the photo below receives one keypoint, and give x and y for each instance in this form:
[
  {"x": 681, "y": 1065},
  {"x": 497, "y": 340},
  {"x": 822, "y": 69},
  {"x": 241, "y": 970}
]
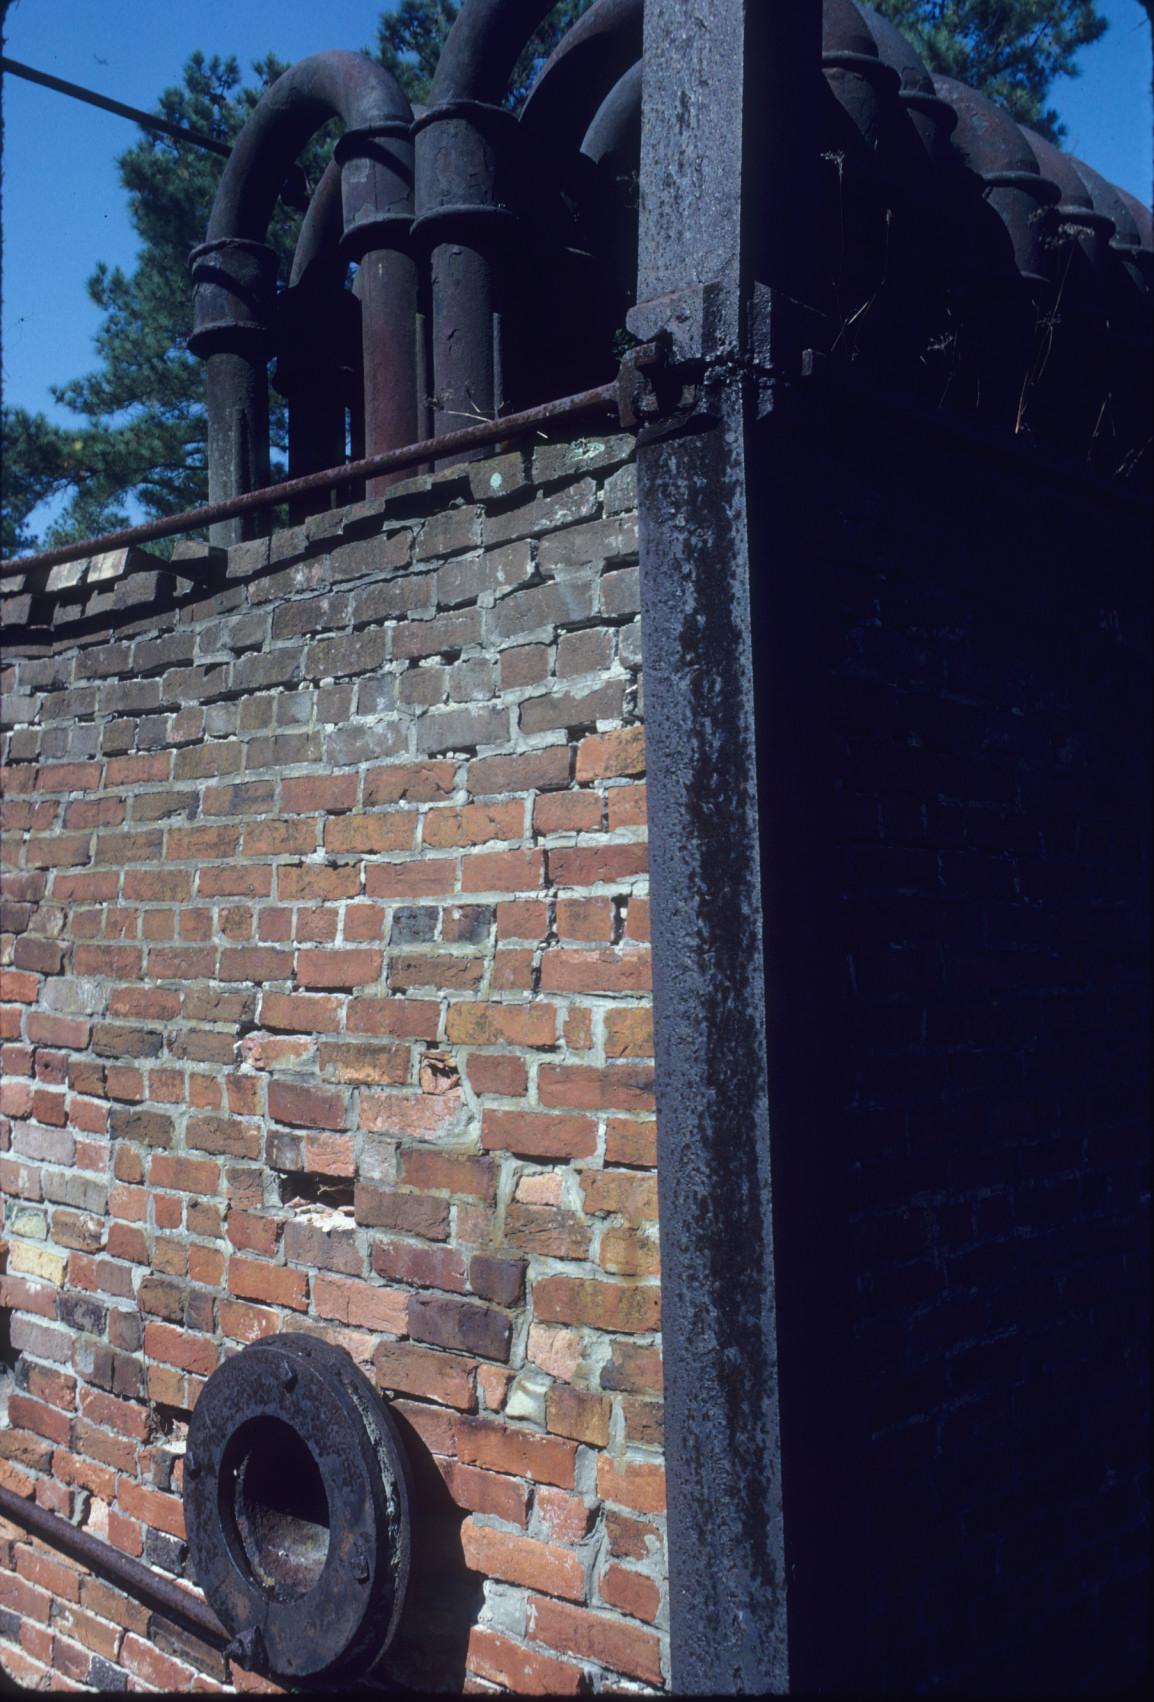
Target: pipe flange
[{"x": 297, "y": 1509}]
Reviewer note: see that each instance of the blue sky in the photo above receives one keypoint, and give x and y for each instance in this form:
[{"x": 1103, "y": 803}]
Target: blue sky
[{"x": 64, "y": 210}]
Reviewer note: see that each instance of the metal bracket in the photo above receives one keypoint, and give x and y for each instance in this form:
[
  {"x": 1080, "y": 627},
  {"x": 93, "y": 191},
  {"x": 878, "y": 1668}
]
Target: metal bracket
[{"x": 653, "y": 389}]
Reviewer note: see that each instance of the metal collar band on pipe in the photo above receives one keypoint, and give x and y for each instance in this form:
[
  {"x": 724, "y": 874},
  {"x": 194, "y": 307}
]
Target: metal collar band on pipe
[{"x": 480, "y": 436}]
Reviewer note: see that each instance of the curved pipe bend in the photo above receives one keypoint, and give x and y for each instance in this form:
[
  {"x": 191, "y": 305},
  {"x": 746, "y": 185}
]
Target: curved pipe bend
[{"x": 363, "y": 94}]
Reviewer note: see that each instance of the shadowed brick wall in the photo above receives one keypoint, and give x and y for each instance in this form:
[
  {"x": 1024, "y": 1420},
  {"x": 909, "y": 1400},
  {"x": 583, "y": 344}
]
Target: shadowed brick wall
[{"x": 325, "y": 1008}]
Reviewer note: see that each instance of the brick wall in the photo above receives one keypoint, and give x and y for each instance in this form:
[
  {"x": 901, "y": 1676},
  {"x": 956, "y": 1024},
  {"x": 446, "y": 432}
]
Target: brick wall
[{"x": 325, "y": 1008}]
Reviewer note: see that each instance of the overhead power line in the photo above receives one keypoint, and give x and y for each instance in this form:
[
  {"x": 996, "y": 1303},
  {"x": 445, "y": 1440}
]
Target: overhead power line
[{"x": 181, "y": 132}]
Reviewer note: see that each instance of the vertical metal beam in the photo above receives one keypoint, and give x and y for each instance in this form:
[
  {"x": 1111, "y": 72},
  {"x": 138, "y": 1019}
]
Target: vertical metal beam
[{"x": 714, "y": 151}]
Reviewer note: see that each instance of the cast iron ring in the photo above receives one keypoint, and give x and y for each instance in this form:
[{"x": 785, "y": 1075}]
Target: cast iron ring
[{"x": 297, "y": 1509}]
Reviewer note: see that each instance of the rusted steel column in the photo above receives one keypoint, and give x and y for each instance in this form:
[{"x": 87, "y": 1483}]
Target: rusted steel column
[{"x": 724, "y": 133}]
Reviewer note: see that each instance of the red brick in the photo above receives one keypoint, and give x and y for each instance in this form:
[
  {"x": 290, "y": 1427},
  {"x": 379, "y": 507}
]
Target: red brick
[
  {"x": 48, "y": 1573},
  {"x": 447, "y": 970},
  {"x": 407, "y": 1214},
  {"x": 365, "y": 1064},
  {"x": 526, "y": 1672},
  {"x": 24, "y": 1598},
  {"x": 360, "y": 1304},
  {"x": 313, "y": 793},
  {"x": 160, "y": 1671},
  {"x": 404, "y": 1019},
  {"x": 124, "y": 1418},
  {"x": 597, "y": 865},
  {"x": 522, "y": 1560},
  {"x": 423, "y": 877},
  {"x": 596, "y": 971},
  {"x": 247, "y": 1323},
  {"x": 300, "y": 1013},
  {"x": 329, "y": 1155},
  {"x": 508, "y": 1077},
  {"x": 177, "y": 1347},
  {"x": 478, "y": 1023},
  {"x": 585, "y": 919},
  {"x": 307, "y": 1107},
  {"x": 69, "y": 777},
  {"x": 616, "y": 1087},
  {"x": 605, "y": 756},
  {"x": 249, "y": 1279},
  {"x": 596, "y": 1637},
  {"x": 631, "y": 1592},
  {"x": 162, "y": 1512},
  {"x": 518, "y": 1453},
  {"x": 227, "y": 1135},
  {"x": 629, "y": 1034},
  {"x": 525, "y": 773},
  {"x": 639, "y": 1484},
  {"x": 501, "y": 871},
  {"x": 443, "y": 1377},
  {"x": 454, "y": 1173},
  {"x": 621, "y": 1193},
  {"x": 95, "y": 1634},
  {"x": 309, "y": 882},
  {"x": 101, "y": 1598},
  {"x": 255, "y": 963},
  {"x": 413, "y": 783},
  {"x": 420, "y": 1267},
  {"x": 566, "y": 1517},
  {"x": 487, "y": 1492},
  {"x": 184, "y": 1175},
  {"x": 45, "y": 1029},
  {"x": 422, "y": 1116},
  {"x": 279, "y": 838},
  {"x": 630, "y": 1539},
  {"x": 533, "y": 1134},
  {"x": 42, "y": 1420},
  {"x": 473, "y": 824},
  {"x": 578, "y": 1414},
  {"x": 545, "y": 1230},
  {"x": 369, "y": 834},
  {"x": 567, "y": 812},
  {"x": 234, "y": 880},
  {"x": 354, "y": 968},
  {"x": 627, "y": 1252},
  {"x": 522, "y": 919},
  {"x": 600, "y": 1305}
]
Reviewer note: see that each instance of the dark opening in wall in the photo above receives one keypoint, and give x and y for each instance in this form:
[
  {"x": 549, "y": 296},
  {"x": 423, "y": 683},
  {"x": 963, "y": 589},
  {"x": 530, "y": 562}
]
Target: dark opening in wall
[{"x": 274, "y": 1508}]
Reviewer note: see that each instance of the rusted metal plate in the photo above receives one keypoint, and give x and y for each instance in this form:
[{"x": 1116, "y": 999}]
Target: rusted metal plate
[{"x": 296, "y": 1503}]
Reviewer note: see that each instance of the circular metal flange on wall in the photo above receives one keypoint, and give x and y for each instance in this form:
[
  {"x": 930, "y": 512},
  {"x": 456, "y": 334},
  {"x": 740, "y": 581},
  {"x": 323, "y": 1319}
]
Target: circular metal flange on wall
[{"x": 297, "y": 1509}]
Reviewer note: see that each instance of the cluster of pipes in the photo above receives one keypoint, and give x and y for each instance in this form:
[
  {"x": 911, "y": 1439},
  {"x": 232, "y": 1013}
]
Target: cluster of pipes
[{"x": 495, "y": 252}]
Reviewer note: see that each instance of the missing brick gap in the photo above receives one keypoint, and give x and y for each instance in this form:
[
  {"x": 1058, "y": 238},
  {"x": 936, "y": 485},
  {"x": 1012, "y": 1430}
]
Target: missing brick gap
[
  {"x": 304, "y": 1193},
  {"x": 170, "y": 1426},
  {"x": 620, "y": 915}
]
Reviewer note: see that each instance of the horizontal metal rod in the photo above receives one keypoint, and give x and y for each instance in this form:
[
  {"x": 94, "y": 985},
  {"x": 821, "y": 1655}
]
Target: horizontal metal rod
[
  {"x": 147, "y": 119},
  {"x": 127, "y": 1574},
  {"x": 479, "y": 436}
]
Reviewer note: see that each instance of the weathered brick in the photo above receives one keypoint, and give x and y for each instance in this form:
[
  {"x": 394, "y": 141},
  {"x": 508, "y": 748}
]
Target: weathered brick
[
  {"x": 601, "y": 1305},
  {"x": 595, "y": 1636},
  {"x": 523, "y": 1560},
  {"x": 463, "y": 1325},
  {"x": 534, "y": 1134},
  {"x": 403, "y": 1367}
]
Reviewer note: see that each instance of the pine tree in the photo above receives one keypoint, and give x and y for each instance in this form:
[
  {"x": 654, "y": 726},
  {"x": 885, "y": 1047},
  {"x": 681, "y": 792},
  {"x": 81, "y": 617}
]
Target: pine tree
[{"x": 1012, "y": 50}]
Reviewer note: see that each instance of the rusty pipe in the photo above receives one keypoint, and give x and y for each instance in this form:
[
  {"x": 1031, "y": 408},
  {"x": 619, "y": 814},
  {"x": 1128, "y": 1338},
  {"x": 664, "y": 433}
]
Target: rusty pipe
[
  {"x": 465, "y": 145},
  {"x": 483, "y": 435},
  {"x": 131, "y": 1576},
  {"x": 233, "y": 319}
]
